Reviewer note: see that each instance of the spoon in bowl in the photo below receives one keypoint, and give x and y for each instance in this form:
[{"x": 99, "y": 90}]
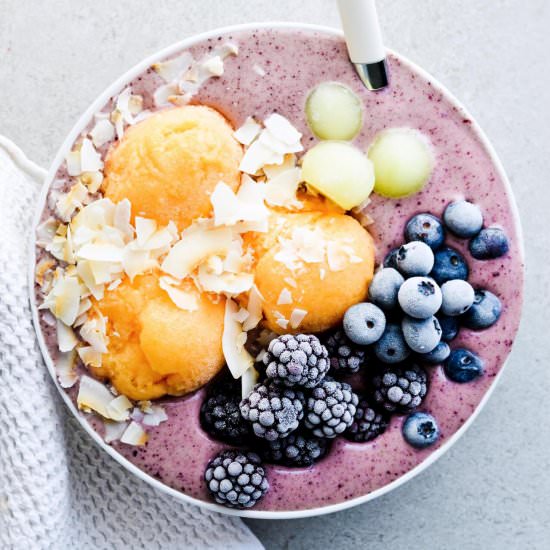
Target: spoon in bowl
[{"x": 364, "y": 41}]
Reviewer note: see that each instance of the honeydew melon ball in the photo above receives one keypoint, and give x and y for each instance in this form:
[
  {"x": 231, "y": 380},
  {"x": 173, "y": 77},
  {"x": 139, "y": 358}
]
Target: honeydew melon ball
[
  {"x": 403, "y": 161},
  {"x": 339, "y": 171},
  {"x": 333, "y": 111}
]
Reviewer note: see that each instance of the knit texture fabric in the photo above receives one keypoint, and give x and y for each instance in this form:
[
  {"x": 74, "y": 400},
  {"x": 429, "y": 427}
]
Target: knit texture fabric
[{"x": 58, "y": 489}]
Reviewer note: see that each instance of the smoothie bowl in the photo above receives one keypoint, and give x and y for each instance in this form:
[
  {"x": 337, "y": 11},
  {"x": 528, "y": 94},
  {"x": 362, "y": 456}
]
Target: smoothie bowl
[{"x": 266, "y": 290}]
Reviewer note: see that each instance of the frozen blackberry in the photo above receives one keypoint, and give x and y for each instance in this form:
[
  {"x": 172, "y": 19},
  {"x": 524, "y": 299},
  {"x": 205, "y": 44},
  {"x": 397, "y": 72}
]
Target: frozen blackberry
[
  {"x": 330, "y": 408},
  {"x": 272, "y": 410},
  {"x": 299, "y": 450},
  {"x": 296, "y": 360},
  {"x": 344, "y": 356},
  {"x": 220, "y": 414},
  {"x": 400, "y": 388},
  {"x": 236, "y": 479},
  {"x": 368, "y": 423}
]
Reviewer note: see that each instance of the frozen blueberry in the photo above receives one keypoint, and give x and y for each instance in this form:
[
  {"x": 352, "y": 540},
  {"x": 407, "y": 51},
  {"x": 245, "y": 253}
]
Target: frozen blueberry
[
  {"x": 463, "y": 218},
  {"x": 364, "y": 323},
  {"x": 449, "y": 264},
  {"x": 449, "y": 327},
  {"x": 420, "y": 430},
  {"x": 458, "y": 296},
  {"x": 391, "y": 257},
  {"x": 391, "y": 348},
  {"x": 425, "y": 228},
  {"x": 384, "y": 288},
  {"x": 489, "y": 244},
  {"x": 419, "y": 297},
  {"x": 463, "y": 365},
  {"x": 414, "y": 258},
  {"x": 421, "y": 335},
  {"x": 437, "y": 355},
  {"x": 485, "y": 311}
]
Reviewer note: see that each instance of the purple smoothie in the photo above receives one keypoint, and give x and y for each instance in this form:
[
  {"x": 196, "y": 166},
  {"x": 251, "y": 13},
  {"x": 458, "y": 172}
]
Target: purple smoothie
[{"x": 294, "y": 62}]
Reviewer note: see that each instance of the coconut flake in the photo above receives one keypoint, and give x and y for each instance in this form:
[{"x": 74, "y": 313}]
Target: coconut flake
[
  {"x": 72, "y": 160},
  {"x": 173, "y": 69},
  {"x": 65, "y": 368},
  {"x": 93, "y": 331},
  {"x": 237, "y": 358},
  {"x": 46, "y": 231},
  {"x": 254, "y": 308},
  {"x": 214, "y": 65},
  {"x": 134, "y": 435},
  {"x": 257, "y": 156},
  {"x": 231, "y": 284},
  {"x": 281, "y": 189},
  {"x": 194, "y": 247},
  {"x": 145, "y": 229},
  {"x": 285, "y": 297},
  {"x": 296, "y": 317},
  {"x": 135, "y": 262},
  {"x": 337, "y": 258},
  {"x": 94, "y": 396},
  {"x": 66, "y": 338},
  {"x": 68, "y": 202},
  {"x": 64, "y": 299},
  {"x": 154, "y": 416},
  {"x": 182, "y": 299},
  {"x": 102, "y": 132},
  {"x": 92, "y": 180},
  {"x": 249, "y": 379},
  {"x": 114, "y": 430},
  {"x": 121, "y": 218},
  {"x": 90, "y": 159},
  {"x": 89, "y": 356},
  {"x": 248, "y": 132},
  {"x": 259, "y": 70},
  {"x": 118, "y": 408},
  {"x": 282, "y": 129}
]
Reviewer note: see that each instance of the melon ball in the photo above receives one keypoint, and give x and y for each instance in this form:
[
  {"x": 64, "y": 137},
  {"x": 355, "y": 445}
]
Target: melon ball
[
  {"x": 325, "y": 288},
  {"x": 169, "y": 164},
  {"x": 154, "y": 347}
]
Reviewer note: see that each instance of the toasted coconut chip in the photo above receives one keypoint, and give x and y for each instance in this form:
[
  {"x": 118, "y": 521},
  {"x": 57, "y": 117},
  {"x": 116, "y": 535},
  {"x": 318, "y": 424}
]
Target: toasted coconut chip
[
  {"x": 173, "y": 69},
  {"x": 100, "y": 252},
  {"x": 94, "y": 396},
  {"x": 305, "y": 245},
  {"x": 68, "y": 202},
  {"x": 241, "y": 316},
  {"x": 85, "y": 272},
  {"x": 45, "y": 232},
  {"x": 89, "y": 356},
  {"x": 121, "y": 218},
  {"x": 90, "y": 159},
  {"x": 154, "y": 416},
  {"x": 285, "y": 297},
  {"x": 66, "y": 338},
  {"x": 268, "y": 139},
  {"x": 164, "y": 95},
  {"x": 92, "y": 180},
  {"x": 119, "y": 407},
  {"x": 64, "y": 299},
  {"x": 137, "y": 415},
  {"x": 114, "y": 430},
  {"x": 245, "y": 206},
  {"x": 195, "y": 247},
  {"x": 237, "y": 358},
  {"x": 134, "y": 435},
  {"x": 231, "y": 284},
  {"x": 182, "y": 299},
  {"x": 257, "y": 156},
  {"x": 296, "y": 317},
  {"x": 281, "y": 189},
  {"x": 115, "y": 284},
  {"x": 144, "y": 230},
  {"x": 254, "y": 308},
  {"x": 65, "y": 368},
  {"x": 248, "y": 132},
  {"x": 249, "y": 379},
  {"x": 93, "y": 331},
  {"x": 273, "y": 170},
  {"x": 72, "y": 160},
  {"x": 102, "y": 132},
  {"x": 282, "y": 129},
  {"x": 214, "y": 65},
  {"x": 42, "y": 267},
  {"x": 136, "y": 262}
]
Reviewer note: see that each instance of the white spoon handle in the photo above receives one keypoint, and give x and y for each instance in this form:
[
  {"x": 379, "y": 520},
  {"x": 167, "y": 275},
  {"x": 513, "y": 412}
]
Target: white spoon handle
[{"x": 364, "y": 41}]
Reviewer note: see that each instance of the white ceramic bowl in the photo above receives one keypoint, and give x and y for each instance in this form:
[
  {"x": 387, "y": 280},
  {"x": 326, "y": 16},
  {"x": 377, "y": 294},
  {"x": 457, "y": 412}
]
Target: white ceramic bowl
[{"x": 116, "y": 87}]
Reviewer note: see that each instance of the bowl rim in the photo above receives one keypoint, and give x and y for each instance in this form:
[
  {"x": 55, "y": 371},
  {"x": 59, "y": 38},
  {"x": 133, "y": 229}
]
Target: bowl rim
[{"x": 114, "y": 88}]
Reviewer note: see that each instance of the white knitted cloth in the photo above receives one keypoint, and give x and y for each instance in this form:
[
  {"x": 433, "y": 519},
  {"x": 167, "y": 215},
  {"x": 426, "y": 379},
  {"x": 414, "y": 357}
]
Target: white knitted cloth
[{"x": 57, "y": 488}]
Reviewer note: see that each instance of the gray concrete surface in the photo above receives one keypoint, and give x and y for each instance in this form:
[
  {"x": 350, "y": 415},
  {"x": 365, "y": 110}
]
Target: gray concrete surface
[{"x": 492, "y": 489}]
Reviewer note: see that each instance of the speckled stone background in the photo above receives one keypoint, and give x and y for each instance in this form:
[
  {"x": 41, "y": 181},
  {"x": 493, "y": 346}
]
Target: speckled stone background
[{"x": 492, "y": 490}]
